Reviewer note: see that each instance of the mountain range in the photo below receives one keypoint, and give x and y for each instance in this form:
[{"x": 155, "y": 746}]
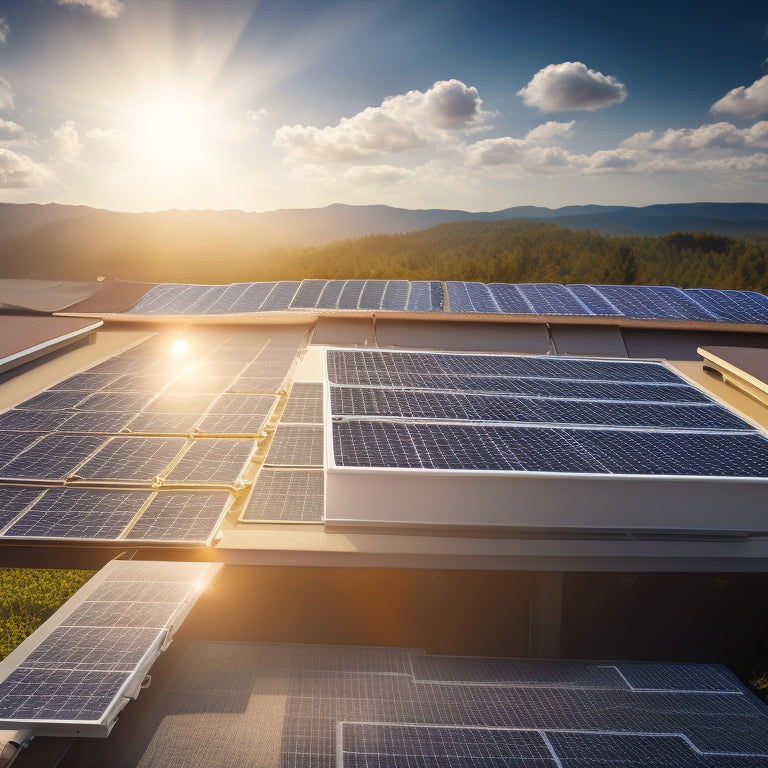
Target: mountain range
[{"x": 76, "y": 242}]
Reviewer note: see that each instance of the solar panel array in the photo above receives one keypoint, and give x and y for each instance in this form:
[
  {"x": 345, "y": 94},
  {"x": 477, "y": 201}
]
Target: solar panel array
[
  {"x": 81, "y": 673},
  {"x": 142, "y": 446},
  {"x": 420, "y": 410},
  {"x": 384, "y": 707},
  {"x": 636, "y": 302}
]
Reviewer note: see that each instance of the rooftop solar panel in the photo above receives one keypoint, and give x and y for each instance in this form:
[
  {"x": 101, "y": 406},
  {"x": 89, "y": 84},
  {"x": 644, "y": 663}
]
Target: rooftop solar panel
[
  {"x": 52, "y": 458},
  {"x": 307, "y": 294},
  {"x": 181, "y": 517},
  {"x": 287, "y": 495},
  {"x": 127, "y": 402},
  {"x": 87, "y": 382},
  {"x": 252, "y": 299},
  {"x": 74, "y": 674},
  {"x": 257, "y": 385},
  {"x": 195, "y": 382},
  {"x": 280, "y": 297},
  {"x": 149, "y": 423},
  {"x": 97, "y": 422},
  {"x": 305, "y": 404},
  {"x": 232, "y": 424},
  {"x": 329, "y": 298},
  {"x": 552, "y": 299},
  {"x": 20, "y": 420},
  {"x": 179, "y": 402},
  {"x": 136, "y": 382},
  {"x": 213, "y": 460},
  {"x": 395, "y": 297},
  {"x": 470, "y": 297},
  {"x": 52, "y": 400},
  {"x": 595, "y": 302},
  {"x": 372, "y": 294},
  {"x": 510, "y": 299},
  {"x": 137, "y": 459},
  {"x": 732, "y": 306},
  {"x": 656, "y": 302},
  {"x": 296, "y": 445},
  {"x": 244, "y": 405},
  {"x": 349, "y": 298},
  {"x": 425, "y": 296},
  {"x": 14, "y": 500}
]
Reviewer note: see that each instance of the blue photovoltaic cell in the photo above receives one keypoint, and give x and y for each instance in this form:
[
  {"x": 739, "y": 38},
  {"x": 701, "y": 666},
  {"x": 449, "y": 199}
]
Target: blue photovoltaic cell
[
  {"x": 372, "y": 294},
  {"x": 181, "y": 517},
  {"x": 14, "y": 443},
  {"x": 330, "y": 295},
  {"x": 296, "y": 445},
  {"x": 120, "y": 364},
  {"x": 87, "y": 382},
  {"x": 594, "y": 301},
  {"x": 305, "y": 404},
  {"x": 307, "y": 294},
  {"x": 257, "y": 385},
  {"x": 395, "y": 297},
  {"x": 78, "y": 513},
  {"x": 349, "y": 298},
  {"x": 253, "y": 297},
  {"x": 14, "y": 500},
  {"x": 732, "y": 306},
  {"x": 97, "y": 422},
  {"x": 552, "y": 299},
  {"x": 678, "y": 677},
  {"x": 163, "y": 423},
  {"x": 132, "y": 458},
  {"x": 19, "y": 420},
  {"x": 161, "y": 299},
  {"x": 470, "y": 297},
  {"x": 654, "y": 302},
  {"x": 215, "y": 460},
  {"x": 280, "y": 297},
  {"x": 228, "y": 299},
  {"x": 52, "y": 458},
  {"x": 295, "y": 495},
  {"x": 510, "y": 299},
  {"x": 425, "y": 297},
  {"x": 53, "y": 401},
  {"x": 127, "y": 402},
  {"x": 245, "y": 405},
  {"x": 232, "y": 424},
  {"x": 676, "y": 453}
]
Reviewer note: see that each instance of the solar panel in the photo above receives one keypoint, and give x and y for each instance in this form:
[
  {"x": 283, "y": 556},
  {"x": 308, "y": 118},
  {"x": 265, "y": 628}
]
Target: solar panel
[
  {"x": 510, "y": 299},
  {"x": 78, "y": 513},
  {"x": 395, "y": 296},
  {"x": 139, "y": 382},
  {"x": 287, "y": 495},
  {"x": 296, "y": 445},
  {"x": 307, "y": 294},
  {"x": 163, "y": 423},
  {"x": 552, "y": 299},
  {"x": 732, "y": 306},
  {"x": 97, "y": 422},
  {"x": 425, "y": 296},
  {"x": 119, "y": 364},
  {"x": 243, "y": 405},
  {"x": 87, "y": 382},
  {"x": 654, "y": 302},
  {"x": 127, "y": 402},
  {"x": 280, "y": 297},
  {"x": 194, "y": 382},
  {"x": 52, "y": 458},
  {"x": 19, "y": 420},
  {"x": 246, "y": 424},
  {"x": 52, "y": 400},
  {"x": 330, "y": 295},
  {"x": 181, "y": 517},
  {"x": 372, "y": 294},
  {"x": 76, "y": 672},
  {"x": 137, "y": 459},
  {"x": 470, "y": 297},
  {"x": 251, "y": 299},
  {"x": 14, "y": 500},
  {"x": 349, "y": 298},
  {"x": 214, "y": 460},
  {"x": 261, "y": 385},
  {"x": 179, "y": 402},
  {"x": 305, "y": 404}
]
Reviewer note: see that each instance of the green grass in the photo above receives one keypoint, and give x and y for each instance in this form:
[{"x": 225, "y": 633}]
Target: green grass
[{"x": 29, "y": 596}]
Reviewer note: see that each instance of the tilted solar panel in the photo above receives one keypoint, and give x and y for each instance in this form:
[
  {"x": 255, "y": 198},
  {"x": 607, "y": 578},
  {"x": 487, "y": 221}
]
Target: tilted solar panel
[
  {"x": 307, "y": 294},
  {"x": 552, "y": 299},
  {"x": 471, "y": 297},
  {"x": 732, "y": 306},
  {"x": 296, "y": 445},
  {"x": 349, "y": 298},
  {"x": 52, "y": 458},
  {"x": 288, "y": 495},
  {"x": 652, "y": 302},
  {"x": 280, "y": 297},
  {"x": 213, "y": 460},
  {"x": 137, "y": 459}
]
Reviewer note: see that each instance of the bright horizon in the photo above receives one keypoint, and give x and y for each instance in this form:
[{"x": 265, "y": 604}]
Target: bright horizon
[{"x": 142, "y": 105}]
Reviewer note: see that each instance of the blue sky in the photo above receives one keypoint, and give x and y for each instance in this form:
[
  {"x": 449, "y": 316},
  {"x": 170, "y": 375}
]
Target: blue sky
[{"x": 155, "y": 104}]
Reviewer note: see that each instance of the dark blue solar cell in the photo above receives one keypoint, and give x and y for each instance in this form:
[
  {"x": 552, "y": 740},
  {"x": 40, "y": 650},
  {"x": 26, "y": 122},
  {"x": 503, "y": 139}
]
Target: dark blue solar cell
[
  {"x": 653, "y": 302},
  {"x": 232, "y": 424},
  {"x": 252, "y": 298},
  {"x": 425, "y": 296},
  {"x": 163, "y": 423},
  {"x": 510, "y": 299},
  {"x": 215, "y": 460},
  {"x": 120, "y": 364},
  {"x": 594, "y": 301},
  {"x": 349, "y": 298},
  {"x": 132, "y": 458},
  {"x": 372, "y": 294},
  {"x": 97, "y": 422},
  {"x": 678, "y": 677},
  {"x": 227, "y": 299},
  {"x": 14, "y": 443},
  {"x": 330, "y": 295},
  {"x": 307, "y": 294},
  {"x": 181, "y": 517},
  {"x": 732, "y": 306},
  {"x": 244, "y": 405},
  {"x": 52, "y": 458},
  {"x": 18, "y": 420},
  {"x": 52, "y": 400},
  {"x": 395, "y": 296},
  {"x": 14, "y": 500},
  {"x": 552, "y": 299},
  {"x": 676, "y": 453},
  {"x": 87, "y": 382},
  {"x": 106, "y": 402},
  {"x": 452, "y": 446},
  {"x": 470, "y": 297},
  {"x": 280, "y": 297}
]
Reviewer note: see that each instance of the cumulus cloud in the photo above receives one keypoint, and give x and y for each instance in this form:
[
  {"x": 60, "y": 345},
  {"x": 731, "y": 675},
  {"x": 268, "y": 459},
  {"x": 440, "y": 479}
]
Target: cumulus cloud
[
  {"x": 378, "y": 175},
  {"x": 5, "y": 30},
  {"x": 66, "y": 144},
  {"x": 749, "y": 102},
  {"x": 12, "y": 134},
  {"x": 714, "y": 136},
  {"x": 550, "y": 133},
  {"x": 17, "y": 171},
  {"x": 107, "y": 9},
  {"x": 571, "y": 86},
  {"x": 6, "y": 94},
  {"x": 402, "y": 123}
]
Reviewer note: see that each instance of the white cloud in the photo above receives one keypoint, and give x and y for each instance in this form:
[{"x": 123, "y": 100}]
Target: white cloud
[
  {"x": 100, "y": 134},
  {"x": 17, "y": 171},
  {"x": 5, "y": 30},
  {"x": 256, "y": 115},
  {"x": 378, "y": 175},
  {"x": 571, "y": 86},
  {"x": 66, "y": 144},
  {"x": 402, "y": 123},
  {"x": 550, "y": 133},
  {"x": 714, "y": 136},
  {"x": 13, "y": 134},
  {"x": 524, "y": 157},
  {"x": 6, "y": 94},
  {"x": 107, "y": 9},
  {"x": 750, "y": 102}
]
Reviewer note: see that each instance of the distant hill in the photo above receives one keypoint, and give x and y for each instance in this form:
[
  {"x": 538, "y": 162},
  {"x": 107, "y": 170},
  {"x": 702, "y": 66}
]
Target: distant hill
[{"x": 76, "y": 242}]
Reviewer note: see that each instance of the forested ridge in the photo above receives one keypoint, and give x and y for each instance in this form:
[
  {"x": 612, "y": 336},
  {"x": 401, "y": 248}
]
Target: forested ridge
[{"x": 516, "y": 252}]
